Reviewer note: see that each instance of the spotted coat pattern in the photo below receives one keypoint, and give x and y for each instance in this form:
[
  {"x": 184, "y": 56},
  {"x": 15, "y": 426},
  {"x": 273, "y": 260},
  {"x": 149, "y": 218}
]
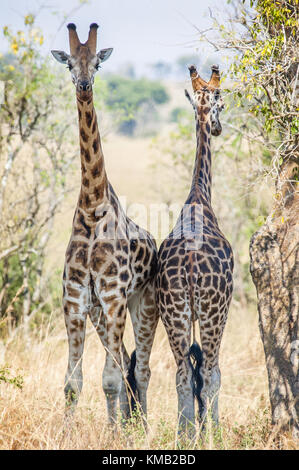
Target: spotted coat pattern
[
  {"x": 110, "y": 262},
  {"x": 194, "y": 281}
]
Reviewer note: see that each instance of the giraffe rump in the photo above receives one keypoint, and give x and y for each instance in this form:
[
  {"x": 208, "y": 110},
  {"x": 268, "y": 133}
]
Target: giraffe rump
[{"x": 195, "y": 360}]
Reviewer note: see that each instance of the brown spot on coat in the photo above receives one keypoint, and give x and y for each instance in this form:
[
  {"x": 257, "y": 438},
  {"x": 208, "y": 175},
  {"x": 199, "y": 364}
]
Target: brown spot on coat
[
  {"x": 95, "y": 145},
  {"x": 83, "y": 135},
  {"x": 111, "y": 270},
  {"x": 99, "y": 191},
  {"x": 76, "y": 275},
  {"x": 85, "y": 182},
  {"x": 88, "y": 116},
  {"x": 96, "y": 169}
]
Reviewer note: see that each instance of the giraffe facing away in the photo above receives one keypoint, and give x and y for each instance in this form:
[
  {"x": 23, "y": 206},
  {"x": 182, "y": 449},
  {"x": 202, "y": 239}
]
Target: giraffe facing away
[
  {"x": 195, "y": 267},
  {"x": 110, "y": 262}
]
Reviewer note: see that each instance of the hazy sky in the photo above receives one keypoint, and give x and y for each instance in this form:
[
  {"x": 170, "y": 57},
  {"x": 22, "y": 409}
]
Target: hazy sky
[{"x": 140, "y": 31}]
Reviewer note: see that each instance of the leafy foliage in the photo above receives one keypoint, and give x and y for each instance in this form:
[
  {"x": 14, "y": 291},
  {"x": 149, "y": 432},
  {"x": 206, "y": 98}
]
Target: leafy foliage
[
  {"x": 177, "y": 114},
  {"x": 126, "y": 97},
  {"x": 267, "y": 68},
  {"x": 33, "y": 160},
  {"x": 5, "y": 377},
  {"x": 264, "y": 70}
]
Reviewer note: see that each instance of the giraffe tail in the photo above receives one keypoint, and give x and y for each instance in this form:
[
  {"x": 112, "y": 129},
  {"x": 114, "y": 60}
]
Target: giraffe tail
[
  {"x": 132, "y": 383},
  {"x": 195, "y": 360},
  {"x": 195, "y": 352}
]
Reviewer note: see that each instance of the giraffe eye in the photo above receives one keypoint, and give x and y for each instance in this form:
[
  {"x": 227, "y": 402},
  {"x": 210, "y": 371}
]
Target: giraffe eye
[
  {"x": 97, "y": 66},
  {"x": 69, "y": 66}
]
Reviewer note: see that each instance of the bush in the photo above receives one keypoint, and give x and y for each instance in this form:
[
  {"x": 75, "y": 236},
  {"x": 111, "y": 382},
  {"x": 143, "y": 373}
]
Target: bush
[
  {"x": 33, "y": 140},
  {"x": 125, "y": 97}
]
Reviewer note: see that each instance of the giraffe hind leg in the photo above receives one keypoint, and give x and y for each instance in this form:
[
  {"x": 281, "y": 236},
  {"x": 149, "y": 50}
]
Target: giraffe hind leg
[
  {"x": 210, "y": 368},
  {"x": 179, "y": 339},
  {"x": 185, "y": 393},
  {"x": 144, "y": 315}
]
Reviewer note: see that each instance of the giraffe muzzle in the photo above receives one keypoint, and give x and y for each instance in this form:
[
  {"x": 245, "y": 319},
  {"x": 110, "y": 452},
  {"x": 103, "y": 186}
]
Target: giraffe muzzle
[
  {"x": 216, "y": 129},
  {"x": 84, "y": 90},
  {"x": 84, "y": 85}
]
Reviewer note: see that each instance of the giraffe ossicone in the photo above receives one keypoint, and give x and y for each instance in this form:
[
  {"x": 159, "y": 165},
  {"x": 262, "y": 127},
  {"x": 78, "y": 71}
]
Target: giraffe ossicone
[{"x": 105, "y": 271}]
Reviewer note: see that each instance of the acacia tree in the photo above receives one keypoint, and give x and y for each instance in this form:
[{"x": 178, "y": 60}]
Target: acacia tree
[
  {"x": 274, "y": 249},
  {"x": 263, "y": 37}
]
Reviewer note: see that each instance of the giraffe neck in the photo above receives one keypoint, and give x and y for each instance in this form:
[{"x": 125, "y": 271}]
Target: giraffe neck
[
  {"x": 202, "y": 177},
  {"x": 94, "y": 182}
]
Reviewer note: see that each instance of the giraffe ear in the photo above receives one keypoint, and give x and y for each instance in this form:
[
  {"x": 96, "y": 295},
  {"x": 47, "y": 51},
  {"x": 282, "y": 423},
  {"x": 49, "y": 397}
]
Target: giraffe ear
[
  {"x": 61, "y": 56},
  {"x": 104, "y": 54}
]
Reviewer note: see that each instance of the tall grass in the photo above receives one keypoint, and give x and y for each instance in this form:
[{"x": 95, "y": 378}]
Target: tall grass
[{"x": 32, "y": 417}]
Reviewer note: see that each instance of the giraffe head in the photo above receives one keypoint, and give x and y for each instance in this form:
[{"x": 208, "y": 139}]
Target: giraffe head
[
  {"x": 207, "y": 100},
  {"x": 83, "y": 60}
]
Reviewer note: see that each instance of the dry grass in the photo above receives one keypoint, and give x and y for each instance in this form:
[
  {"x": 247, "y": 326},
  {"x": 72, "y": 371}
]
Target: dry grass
[{"x": 32, "y": 418}]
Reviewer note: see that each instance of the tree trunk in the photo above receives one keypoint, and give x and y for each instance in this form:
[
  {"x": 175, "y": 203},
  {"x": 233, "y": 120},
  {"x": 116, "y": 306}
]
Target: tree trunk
[{"x": 274, "y": 255}]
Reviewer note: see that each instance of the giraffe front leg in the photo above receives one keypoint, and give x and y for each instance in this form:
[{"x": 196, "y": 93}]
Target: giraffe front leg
[
  {"x": 114, "y": 308},
  {"x": 75, "y": 304},
  {"x": 145, "y": 318},
  {"x": 124, "y": 397},
  {"x": 98, "y": 320}
]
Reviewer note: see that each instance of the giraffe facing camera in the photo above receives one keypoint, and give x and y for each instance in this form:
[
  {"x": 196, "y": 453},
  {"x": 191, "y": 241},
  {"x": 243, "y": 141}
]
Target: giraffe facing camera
[
  {"x": 110, "y": 261},
  {"x": 84, "y": 60}
]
